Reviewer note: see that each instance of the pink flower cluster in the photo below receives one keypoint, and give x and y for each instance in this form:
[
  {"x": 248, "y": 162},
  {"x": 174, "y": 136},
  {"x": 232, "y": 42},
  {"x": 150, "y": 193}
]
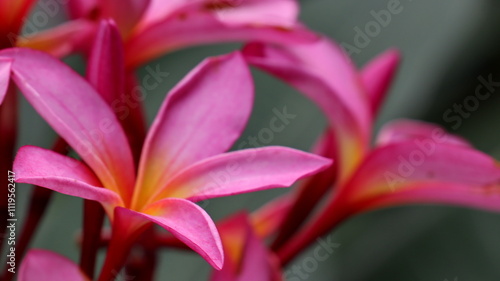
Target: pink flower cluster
[{"x": 141, "y": 177}]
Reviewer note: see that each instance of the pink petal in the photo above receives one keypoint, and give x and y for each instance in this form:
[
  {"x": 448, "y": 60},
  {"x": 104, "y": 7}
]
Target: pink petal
[
  {"x": 77, "y": 113},
  {"x": 61, "y": 40},
  {"x": 158, "y": 10},
  {"x": 203, "y": 26},
  {"x": 41, "y": 265},
  {"x": 324, "y": 73},
  {"x": 265, "y": 12},
  {"x": 279, "y": 13},
  {"x": 435, "y": 172},
  {"x": 243, "y": 171},
  {"x": 378, "y": 75},
  {"x": 201, "y": 117},
  {"x": 106, "y": 69},
  {"x": 63, "y": 174},
  {"x": 126, "y": 13},
  {"x": 190, "y": 224},
  {"x": 81, "y": 8},
  {"x": 5, "y": 66},
  {"x": 418, "y": 131}
]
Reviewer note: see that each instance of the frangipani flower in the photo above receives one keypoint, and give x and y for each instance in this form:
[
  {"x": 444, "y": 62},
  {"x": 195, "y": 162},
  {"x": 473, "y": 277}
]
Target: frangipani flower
[
  {"x": 412, "y": 162},
  {"x": 200, "y": 119},
  {"x": 44, "y": 265},
  {"x": 151, "y": 28}
]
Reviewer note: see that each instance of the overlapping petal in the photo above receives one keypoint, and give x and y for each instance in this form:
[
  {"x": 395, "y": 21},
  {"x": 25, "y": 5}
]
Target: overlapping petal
[
  {"x": 263, "y": 12},
  {"x": 61, "y": 40},
  {"x": 83, "y": 118},
  {"x": 190, "y": 224},
  {"x": 126, "y": 13},
  {"x": 406, "y": 172},
  {"x": 81, "y": 8},
  {"x": 5, "y": 66},
  {"x": 204, "y": 23},
  {"x": 105, "y": 69},
  {"x": 378, "y": 75},
  {"x": 63, "y": 174},
  {"x": 323, "y": 72},
  {"x": 243, "y": 171},
  {"x": 201, "y": 117},
  {"x": 42, "y": 265}
]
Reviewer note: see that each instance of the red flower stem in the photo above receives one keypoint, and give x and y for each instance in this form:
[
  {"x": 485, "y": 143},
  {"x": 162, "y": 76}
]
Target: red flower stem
[
  {"x": 306, "y": 199},
  {"x": 142, "y": 266},
  {"x": 93, "y": 219},
  {"x": 8, "y": 133}
]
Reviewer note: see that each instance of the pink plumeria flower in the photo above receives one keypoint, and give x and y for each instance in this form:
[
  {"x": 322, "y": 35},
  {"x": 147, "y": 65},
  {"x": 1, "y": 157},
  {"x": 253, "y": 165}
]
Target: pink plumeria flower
[
  {"x": 412, "y": 162},
  {"x": 200, "y": 120},
  {"x": 151, "y": 28}
]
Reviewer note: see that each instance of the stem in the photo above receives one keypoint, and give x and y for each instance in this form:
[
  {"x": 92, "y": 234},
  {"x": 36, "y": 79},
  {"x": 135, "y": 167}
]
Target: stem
[
  {"x": 142, "y": 266},
  {"x": 93, "y": 219},
  {"x": 125, "y": 231}
]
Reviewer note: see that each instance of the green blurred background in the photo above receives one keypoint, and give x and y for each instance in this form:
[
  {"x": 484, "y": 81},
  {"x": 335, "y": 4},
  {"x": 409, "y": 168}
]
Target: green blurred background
[{"x": 446, "y": 46}]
